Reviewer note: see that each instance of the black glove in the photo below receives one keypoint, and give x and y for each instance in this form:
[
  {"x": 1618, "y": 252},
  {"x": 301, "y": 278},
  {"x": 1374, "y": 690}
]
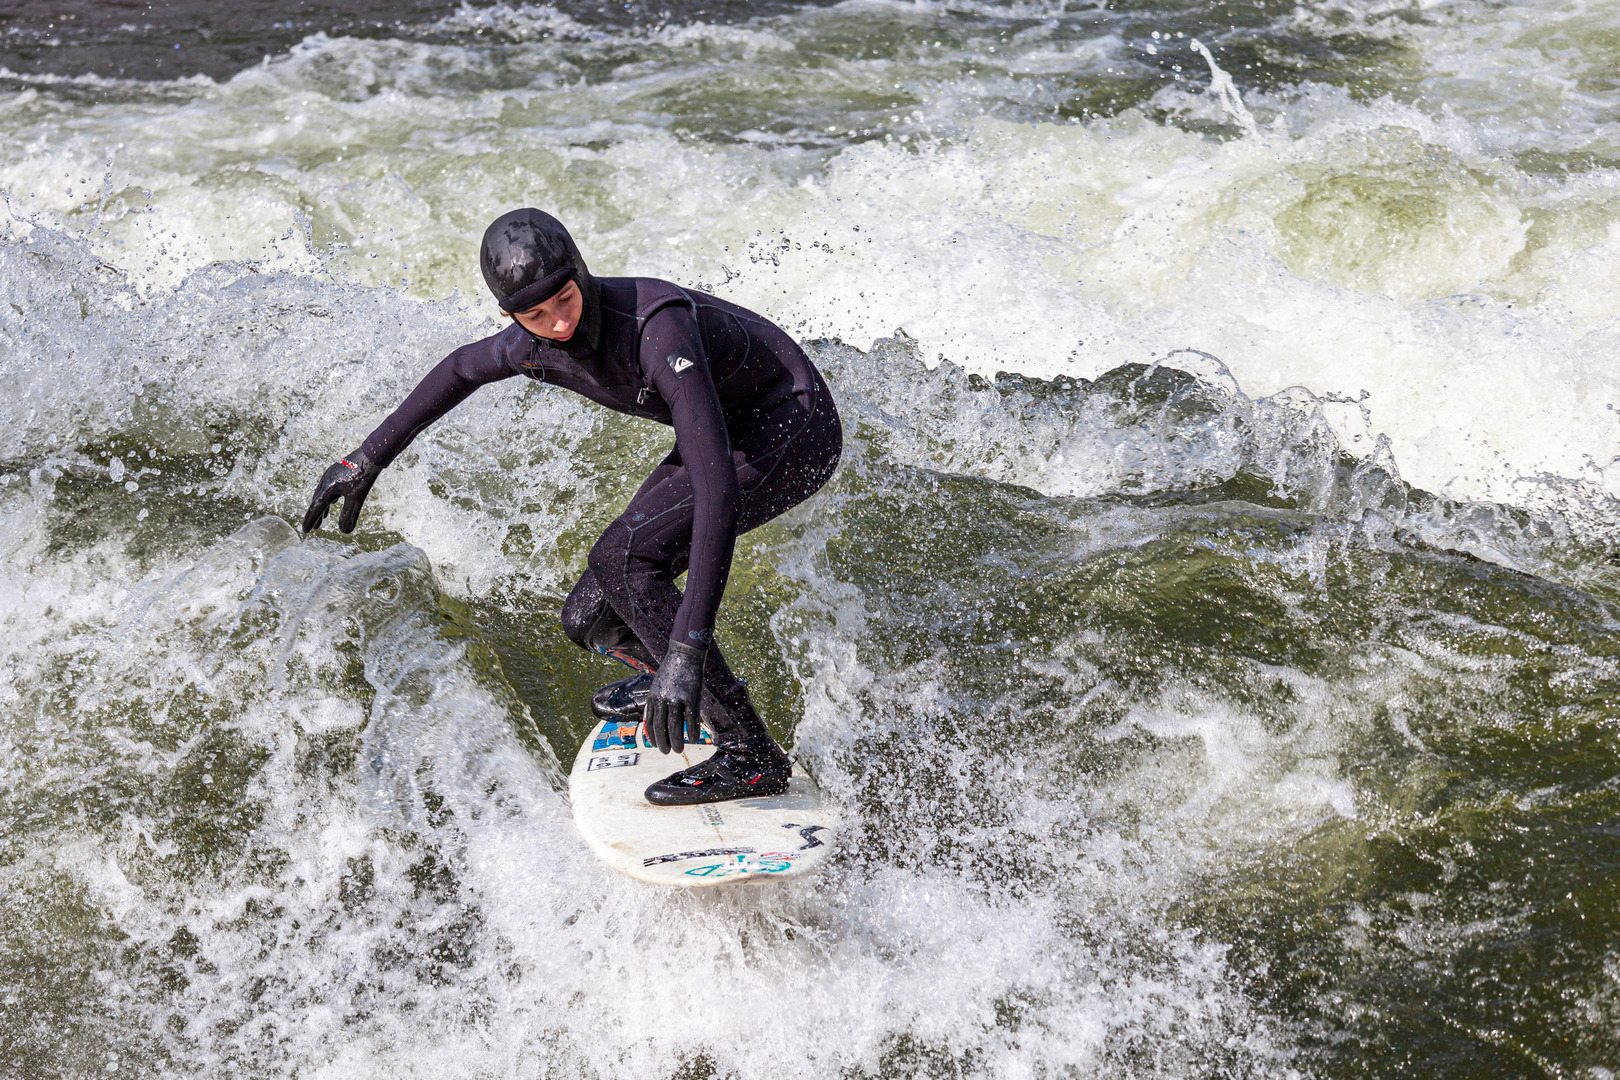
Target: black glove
[
  {"x": 351, "y": 478},
  {"x": 672, "y": 713}
]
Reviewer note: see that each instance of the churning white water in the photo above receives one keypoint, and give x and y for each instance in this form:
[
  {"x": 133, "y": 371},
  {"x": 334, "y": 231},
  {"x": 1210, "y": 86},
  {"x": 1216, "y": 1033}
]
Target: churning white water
[{"x": 1169, "y": 685}]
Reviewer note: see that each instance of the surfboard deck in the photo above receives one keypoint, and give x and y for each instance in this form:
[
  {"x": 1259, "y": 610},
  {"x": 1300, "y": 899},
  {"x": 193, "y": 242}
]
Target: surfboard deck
[{"x": 725, "y": 843}]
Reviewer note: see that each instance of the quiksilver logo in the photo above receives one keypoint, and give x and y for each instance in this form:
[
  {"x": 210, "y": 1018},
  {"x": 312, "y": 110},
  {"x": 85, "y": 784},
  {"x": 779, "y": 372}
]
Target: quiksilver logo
[{"x": 679, "y": 364}]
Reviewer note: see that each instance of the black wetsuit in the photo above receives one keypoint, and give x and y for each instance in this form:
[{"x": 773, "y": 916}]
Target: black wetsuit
[{"x": 756, "y": 432}]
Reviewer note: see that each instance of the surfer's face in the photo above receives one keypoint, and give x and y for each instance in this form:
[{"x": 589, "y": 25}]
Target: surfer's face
[{"x": 556, "y": 318}]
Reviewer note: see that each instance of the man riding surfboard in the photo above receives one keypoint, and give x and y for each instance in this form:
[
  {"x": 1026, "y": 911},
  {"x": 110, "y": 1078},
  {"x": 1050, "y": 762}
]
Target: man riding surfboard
[{"x": 756, "y": 433}]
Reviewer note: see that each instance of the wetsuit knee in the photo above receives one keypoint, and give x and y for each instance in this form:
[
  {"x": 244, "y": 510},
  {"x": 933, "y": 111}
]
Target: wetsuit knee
[
  {"x": 591, "y": 623},
  {"x": 584, "y": 610}
]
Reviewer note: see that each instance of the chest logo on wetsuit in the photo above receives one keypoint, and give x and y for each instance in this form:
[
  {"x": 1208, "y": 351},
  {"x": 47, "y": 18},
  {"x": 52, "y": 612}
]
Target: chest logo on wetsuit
[{"x": 678, "y": 364}]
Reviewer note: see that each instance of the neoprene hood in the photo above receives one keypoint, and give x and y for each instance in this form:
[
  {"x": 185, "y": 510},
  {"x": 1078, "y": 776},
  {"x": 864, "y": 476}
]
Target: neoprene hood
[{"x": 527, "y": 255}]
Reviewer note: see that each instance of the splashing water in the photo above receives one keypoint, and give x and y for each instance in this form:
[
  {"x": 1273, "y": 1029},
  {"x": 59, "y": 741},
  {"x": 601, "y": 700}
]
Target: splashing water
[
  {"x": 1208, "y": 638},
  {"x": 1222, "y": 86}
]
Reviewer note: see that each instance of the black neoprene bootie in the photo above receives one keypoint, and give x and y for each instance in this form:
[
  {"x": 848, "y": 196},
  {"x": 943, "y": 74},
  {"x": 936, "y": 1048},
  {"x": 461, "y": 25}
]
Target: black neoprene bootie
[
  {"x": 623, "y": 700},
  {"x": 747, "y": 763},
  {"x": 750, "y": 769}
]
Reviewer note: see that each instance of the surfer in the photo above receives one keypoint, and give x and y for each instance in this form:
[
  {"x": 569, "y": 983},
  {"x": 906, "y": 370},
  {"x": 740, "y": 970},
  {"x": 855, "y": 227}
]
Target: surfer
[{"x": 756, "y": 433}]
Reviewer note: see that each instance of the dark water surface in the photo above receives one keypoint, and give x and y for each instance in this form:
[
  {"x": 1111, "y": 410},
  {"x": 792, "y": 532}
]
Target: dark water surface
[{"x": 125, "y": 39}]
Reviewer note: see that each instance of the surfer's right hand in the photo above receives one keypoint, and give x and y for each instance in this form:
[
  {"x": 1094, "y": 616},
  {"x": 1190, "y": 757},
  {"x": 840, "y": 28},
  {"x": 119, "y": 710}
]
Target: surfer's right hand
[
  {"x": 350, "y": 478},
  {"x": 673, "y": 712}
]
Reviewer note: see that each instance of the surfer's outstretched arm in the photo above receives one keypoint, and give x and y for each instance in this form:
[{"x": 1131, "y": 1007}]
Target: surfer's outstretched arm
[{"x": 442, "y": 389}]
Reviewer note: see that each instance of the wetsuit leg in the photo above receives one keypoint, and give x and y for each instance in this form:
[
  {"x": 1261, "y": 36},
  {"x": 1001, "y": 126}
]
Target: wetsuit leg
[
  {"x": 781, "y": 460},
  {"x": 590, "y": 621}
]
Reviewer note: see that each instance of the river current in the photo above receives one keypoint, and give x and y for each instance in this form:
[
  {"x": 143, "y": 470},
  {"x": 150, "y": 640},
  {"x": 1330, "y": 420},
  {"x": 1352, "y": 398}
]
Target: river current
[{"x": 1209, "y": 639}]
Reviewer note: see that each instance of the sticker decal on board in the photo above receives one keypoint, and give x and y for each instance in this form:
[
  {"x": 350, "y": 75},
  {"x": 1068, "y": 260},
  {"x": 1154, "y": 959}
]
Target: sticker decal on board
[
  {"x": 772, "y": 862},
  {"x": 704, "y": 739},
  {"x": 616, "y": 735},
  {"x": 612, "y": 761},
  {"x": 705, "y": 854},
  {"x": 808, "y": 833}
]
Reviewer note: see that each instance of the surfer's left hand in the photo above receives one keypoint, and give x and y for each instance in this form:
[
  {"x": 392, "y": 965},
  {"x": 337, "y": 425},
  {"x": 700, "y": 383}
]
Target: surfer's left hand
[{"x": 673, "y": 714}]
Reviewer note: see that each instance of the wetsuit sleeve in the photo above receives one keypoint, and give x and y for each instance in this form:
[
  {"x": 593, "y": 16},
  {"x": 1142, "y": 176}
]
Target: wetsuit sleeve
[
  {"x": 673, "y": 360},
  {"x": 441, "y": 390}
]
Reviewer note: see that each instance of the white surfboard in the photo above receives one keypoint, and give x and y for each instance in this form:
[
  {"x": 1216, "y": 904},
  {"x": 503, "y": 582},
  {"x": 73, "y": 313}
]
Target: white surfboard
[{"x": 721, "y": 843}]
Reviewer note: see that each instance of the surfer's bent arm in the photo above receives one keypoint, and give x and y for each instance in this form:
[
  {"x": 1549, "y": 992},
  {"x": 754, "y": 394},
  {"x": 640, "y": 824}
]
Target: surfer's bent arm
[
  {"x": 442, "y": 389},
  {"x": 674, "y": 363}
]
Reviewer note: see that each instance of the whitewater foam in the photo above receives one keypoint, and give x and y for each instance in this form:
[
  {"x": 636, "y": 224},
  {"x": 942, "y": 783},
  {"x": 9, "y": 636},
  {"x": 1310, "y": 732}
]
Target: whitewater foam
[{"x": 1101, "y": 665}]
